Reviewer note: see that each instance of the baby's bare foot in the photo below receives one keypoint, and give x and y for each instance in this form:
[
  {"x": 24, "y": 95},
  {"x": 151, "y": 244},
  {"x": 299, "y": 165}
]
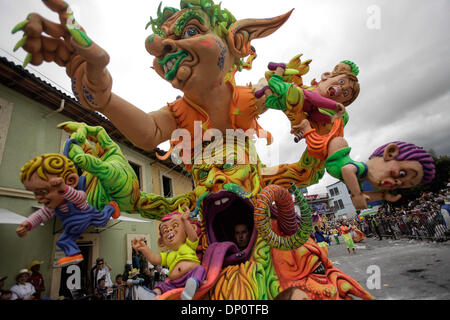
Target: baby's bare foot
[{"x": 302, "y": 127}]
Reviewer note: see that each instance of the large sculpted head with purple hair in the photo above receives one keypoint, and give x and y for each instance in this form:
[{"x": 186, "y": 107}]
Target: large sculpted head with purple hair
[{"x": 400, "y": 165}]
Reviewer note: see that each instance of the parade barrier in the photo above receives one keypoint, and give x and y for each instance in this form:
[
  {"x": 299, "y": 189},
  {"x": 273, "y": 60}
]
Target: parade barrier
[{"x": 415, "y": 224}]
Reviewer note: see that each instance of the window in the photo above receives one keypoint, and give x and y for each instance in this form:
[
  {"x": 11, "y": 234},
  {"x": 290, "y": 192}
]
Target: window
[
  {"x": 334, "y": 192},
  {"x": 167, "y": 187},
  {"x": 137, "y": 169},
  {"x": 339, "y": 205}
]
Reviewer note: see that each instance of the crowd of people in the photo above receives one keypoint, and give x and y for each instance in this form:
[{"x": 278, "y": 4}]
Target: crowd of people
[
  {"x": 137, "y": 277},
  {"x": 136, "y": 274},
  {"x": 427, "y": 218},
  {"x": 29, "y": 284}
]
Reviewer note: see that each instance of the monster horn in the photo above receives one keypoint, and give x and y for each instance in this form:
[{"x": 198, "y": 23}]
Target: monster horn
[{"x": 286, "y": 217}]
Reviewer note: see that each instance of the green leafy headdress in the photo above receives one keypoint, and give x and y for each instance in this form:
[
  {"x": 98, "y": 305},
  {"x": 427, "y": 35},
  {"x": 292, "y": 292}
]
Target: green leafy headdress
[{"x": 220, "y": 19}]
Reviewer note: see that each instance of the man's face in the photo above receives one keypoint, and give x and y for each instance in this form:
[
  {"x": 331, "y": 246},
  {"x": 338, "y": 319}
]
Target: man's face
[
  {"x": 241, "y": 236},
  {"x": 188, "y": 53},
  {"x": 339, "y": 88},
  {"x": 36, "y": 268},
  {"x": 23, "y": 278},
  {"x": 43, "y": 192}
]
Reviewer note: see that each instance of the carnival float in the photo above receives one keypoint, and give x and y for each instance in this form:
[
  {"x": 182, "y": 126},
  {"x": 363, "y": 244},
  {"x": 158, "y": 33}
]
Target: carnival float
[{"x": 198, "y": 48}]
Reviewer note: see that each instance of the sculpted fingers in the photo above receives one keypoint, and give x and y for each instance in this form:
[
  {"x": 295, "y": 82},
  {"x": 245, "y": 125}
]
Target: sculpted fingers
[
  {"x": 40, "y": 47},
  {"x": 68, "y": 45},
  {"x": 57, "y": 6}
]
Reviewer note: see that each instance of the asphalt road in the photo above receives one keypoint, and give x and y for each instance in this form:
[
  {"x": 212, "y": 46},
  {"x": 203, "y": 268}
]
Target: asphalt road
[{"x": 397, "y": 269}]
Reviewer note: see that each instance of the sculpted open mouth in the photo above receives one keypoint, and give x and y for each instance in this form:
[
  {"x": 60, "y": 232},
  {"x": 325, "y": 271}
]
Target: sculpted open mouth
[
  {"x": 171, "y": 63},
  {"x": 386, "y": 184},
  {"x": 223, "y": 211},
  {"x": 333, "y": 91},
  {"x": 171, "y": 236}
]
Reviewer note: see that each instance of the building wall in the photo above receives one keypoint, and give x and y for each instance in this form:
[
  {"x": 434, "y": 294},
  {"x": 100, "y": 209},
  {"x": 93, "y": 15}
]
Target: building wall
[
  {"x": 180, "y": 183},
  {"x": 28, "y": 129},
  {"x": 348, "y": 210}
]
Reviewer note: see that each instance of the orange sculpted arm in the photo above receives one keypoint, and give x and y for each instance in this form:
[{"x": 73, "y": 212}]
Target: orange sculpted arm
[{"x": 145, "y": 130}]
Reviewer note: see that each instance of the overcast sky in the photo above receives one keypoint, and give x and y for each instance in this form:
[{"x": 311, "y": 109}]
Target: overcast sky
[{"x": 402, "y": 48}]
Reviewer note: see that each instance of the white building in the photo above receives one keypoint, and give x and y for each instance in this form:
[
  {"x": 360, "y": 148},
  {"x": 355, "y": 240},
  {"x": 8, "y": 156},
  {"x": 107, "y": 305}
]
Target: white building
[{"x": 341, "y": 200}]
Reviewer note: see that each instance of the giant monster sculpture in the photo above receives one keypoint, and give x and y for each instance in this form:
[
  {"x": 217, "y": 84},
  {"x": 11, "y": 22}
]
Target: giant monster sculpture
[{"x": 198, "y": 48}]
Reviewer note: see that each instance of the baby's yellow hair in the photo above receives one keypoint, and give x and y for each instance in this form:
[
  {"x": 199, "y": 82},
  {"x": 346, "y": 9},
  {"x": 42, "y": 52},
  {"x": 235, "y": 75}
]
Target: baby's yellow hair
[{"x": 49, "y": 163}]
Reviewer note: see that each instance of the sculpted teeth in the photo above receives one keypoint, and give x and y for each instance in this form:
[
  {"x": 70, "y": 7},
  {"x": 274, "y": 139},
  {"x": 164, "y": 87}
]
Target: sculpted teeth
[
  {"x": 221, "y": 201},
  {"x": 169, "y": 65}
]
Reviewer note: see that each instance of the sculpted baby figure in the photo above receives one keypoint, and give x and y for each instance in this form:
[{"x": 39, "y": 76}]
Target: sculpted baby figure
[
  {"x": 321, "y": 103},
  {"x": 391, "y": 166},
  {"x": 53, "y": 179},
  {"x": 179, "y": 235}
]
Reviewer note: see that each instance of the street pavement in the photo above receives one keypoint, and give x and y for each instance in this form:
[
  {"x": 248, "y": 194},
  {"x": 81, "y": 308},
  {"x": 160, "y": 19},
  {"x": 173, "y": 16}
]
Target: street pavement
[{"x": 397, "y": 269}]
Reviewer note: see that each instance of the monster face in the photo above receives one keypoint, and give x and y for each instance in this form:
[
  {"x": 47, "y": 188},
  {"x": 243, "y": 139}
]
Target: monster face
[
  {"x": 188, "y": 53},
  {"x": 228, "y": 189}
]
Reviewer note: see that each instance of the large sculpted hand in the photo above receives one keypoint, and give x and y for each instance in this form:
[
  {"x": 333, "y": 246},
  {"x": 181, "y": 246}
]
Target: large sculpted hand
[
  {"x": 109, "y": 175},
  {"x": 68, "y": 46}
]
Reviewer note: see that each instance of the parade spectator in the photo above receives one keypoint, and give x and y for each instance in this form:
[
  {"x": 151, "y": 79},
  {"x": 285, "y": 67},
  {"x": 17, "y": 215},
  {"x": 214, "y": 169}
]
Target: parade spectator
[
  {"x": 2, "y": 281},
  {"x": 23, "y": 290},
  {"x": 120, "y": 288},
  {"x": 135, "y": 260},
  {"x": 157, "y": 275},
  {"x": 126, "y": 272},
  {"x": 445, "y": 212},
  {"x": 375, "y": 226},
  {"x": 134, "y": 277},
  {"x": 102, "y": 292},
  {"x": 100, "y": 270},
  {"x": 5, "y": 295},
  {"x": 164, "y": 273},
  {"x": 147, "y": 275},
  {"x": 36, "y": 278}
]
